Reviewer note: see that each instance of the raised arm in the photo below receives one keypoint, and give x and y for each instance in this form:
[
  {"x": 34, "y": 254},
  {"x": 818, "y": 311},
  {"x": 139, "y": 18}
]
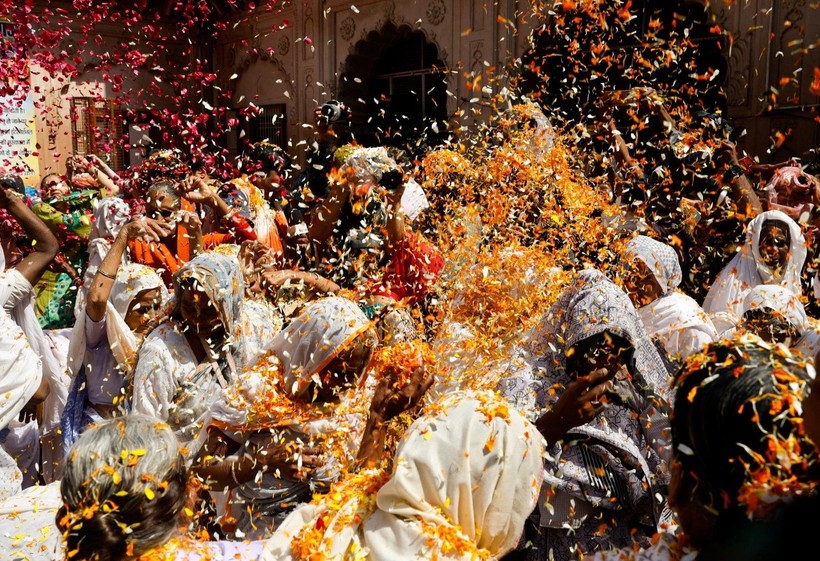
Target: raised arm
[
  {"x": 45, "y": 244},
  {"x": 324, "y": 217},
  {"x": 388, "y": 402},
  {"x": 102, "y": 282},
  {"x": 743, "y": 193}
]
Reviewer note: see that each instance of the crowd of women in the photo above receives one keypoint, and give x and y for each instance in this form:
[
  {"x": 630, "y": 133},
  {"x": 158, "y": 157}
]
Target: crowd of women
[{"x": 481, "y": 353}]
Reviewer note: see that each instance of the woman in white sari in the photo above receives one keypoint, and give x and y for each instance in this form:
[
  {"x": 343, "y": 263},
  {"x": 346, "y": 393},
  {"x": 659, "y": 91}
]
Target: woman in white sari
[
  {"x": 773, "y": 313},
  {"x": 186, "y": 361},
  {"x": 122, "y": 303},
  {"x": 289, "y": 426},
  {"x": 774, "y": 253},
  {"x": 27, "y": 528},
  {"x": 668, "y": 315},
  {"x": 598, "y": 389},
  {"x": 465, "y": 477}
]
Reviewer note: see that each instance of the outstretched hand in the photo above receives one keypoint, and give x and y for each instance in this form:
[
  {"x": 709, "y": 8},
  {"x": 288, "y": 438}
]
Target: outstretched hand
[
  {"x": 289, "y": 459},
  {"x": 394, "y": 395},
  {"x": 582, "y": 401},
  {"x": 145, "y": 228},
  {"x": 197, "y": 190}
]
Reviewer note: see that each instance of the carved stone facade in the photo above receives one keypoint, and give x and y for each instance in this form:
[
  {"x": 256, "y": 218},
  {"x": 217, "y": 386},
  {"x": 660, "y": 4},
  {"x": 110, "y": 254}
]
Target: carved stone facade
[
  {"x": 471, "y": 38},
  {"x": 477, "y": 38},
  {"x": 303, "y": 55}
]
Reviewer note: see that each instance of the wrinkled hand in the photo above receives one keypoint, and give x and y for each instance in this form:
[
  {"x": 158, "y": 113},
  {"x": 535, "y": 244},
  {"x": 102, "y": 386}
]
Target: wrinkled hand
[
  {"x": 289, "y": 458},
  {"x": 68, "y": 269},
  {"x": 5, "y": 196},
  {"x": 188, "y": 219},
  {"x": 145, "y": 228},
  {"x": 582, "y": 401},
  {"x": 78, "y": 164},
  {"x": 96, "y": 161},
  {"x": 197, "y": 190},
  {"x": 320, "y": 121},
  {"x": 727, "y": 153},
  {"x": 393, "y": 396},
  {"x": 252, "y": 255},
  {"x": 275, "y": 279}
]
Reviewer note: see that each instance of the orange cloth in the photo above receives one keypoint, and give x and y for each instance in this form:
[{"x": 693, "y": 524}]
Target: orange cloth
[
  {"x": 157, "y": 255},
  {"x": 414, "y": 268}
]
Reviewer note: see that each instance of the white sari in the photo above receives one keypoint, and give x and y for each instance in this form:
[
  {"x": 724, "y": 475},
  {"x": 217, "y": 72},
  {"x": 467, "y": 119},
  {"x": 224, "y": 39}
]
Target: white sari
[
  {"x": 300, "y": 352},
  {"x": 675, "y": 319},
  {"x": 169, "y": 382},
  {"x": 30, "y": 435},
  {"x": 465, "y": 477},
  {"x": 724, "y": 302},
  {"x": 781, "y": 301}
]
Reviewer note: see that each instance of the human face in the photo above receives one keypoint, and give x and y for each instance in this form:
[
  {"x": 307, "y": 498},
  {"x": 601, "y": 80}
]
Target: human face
[
  {"x": 604, "y": 351},
  {"x": 161, "y": 204},
  {"x": 267, "y": 182},
  {"x": 770, "y": 326},
  {"x": 343, "y": 371},
  {"x": 197, "y": 310},
  {"x": 143, "y": 310},
  {"x": 774, "y": 246},
  {"x": 53, "y": 186},
  {"x": 641, "y": 285}
]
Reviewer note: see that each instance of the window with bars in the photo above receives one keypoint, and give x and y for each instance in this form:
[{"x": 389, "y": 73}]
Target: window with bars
[
  {"x": 96, "y": 128},
  {"x": 270, "y": 125}
]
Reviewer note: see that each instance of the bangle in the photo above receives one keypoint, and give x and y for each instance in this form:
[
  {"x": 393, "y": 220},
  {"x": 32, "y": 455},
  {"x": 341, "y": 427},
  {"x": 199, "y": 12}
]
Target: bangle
[
  {"x": 107, "y": 275},
  {"x": 233, "y": 473}
]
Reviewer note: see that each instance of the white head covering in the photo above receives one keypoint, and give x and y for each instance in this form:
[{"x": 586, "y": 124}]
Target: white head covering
[
  {"x": 538, "y": 374},
  {"x": 132, "y": 279},
  {"x": 300, "y": 352},
  {"x": 590, "y": 305},
  {"x": 367, "y": 165},
  {"x": 469, "y": 469},
  {"x": 746, "y": 270},
  {"x": 110, "y": 215},
  {"x": 314, "y": 339},
  {"x": 675, "y": 319},
  {"x": 779, "y": 299},
  {"x": 661, "y": 260}
]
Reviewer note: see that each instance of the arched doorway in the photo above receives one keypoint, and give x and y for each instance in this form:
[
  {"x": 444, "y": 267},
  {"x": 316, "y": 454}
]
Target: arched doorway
[{"x": 396, "y": 86}]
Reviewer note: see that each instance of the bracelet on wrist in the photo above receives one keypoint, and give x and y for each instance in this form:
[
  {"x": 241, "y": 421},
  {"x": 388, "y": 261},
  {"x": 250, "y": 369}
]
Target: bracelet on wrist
[
  {"x": 107, "y": 275},
  {"x": 233, "y": 472}
]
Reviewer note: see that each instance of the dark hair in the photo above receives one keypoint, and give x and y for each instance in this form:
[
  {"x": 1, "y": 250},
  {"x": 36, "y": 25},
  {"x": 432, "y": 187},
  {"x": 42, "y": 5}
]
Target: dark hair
[
  {"x": 123, "y": 489},
  {"x": 767, "y": 321},
  {"x": 46, "y": 176},
  {"x": 737, "y": 427},
  {"x": 269, "y": 157},
  {"x": 13, "y": 182}
]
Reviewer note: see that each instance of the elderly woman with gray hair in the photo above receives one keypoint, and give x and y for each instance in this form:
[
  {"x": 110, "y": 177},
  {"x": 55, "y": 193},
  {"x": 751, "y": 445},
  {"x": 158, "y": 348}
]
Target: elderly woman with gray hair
[{"x": 125, "y": 492}]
